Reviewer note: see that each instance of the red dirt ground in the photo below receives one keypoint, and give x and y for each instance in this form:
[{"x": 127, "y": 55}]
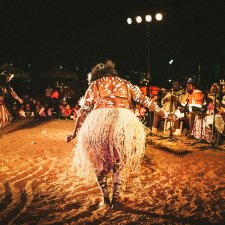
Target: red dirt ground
[{"x": 177, "y": 184}]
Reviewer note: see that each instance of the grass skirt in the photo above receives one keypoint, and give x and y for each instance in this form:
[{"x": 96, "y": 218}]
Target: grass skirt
[
  {"x": 108, "y": 135},
  {"x": 5, "y": 116}
]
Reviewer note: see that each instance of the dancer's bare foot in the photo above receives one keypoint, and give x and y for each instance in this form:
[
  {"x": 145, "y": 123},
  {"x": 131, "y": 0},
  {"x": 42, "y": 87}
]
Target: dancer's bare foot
[{"x": 105, "y": 203}]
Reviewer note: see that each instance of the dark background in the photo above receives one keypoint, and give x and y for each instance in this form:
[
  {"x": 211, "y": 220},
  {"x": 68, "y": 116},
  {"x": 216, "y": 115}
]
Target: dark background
[{"x": 83, "y": 33}]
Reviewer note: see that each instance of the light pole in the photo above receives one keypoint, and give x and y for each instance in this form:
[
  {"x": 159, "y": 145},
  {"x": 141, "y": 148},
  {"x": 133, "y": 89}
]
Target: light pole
[
  {"x": 170, "y": 71},
  {"x": 148, "y": 18}
]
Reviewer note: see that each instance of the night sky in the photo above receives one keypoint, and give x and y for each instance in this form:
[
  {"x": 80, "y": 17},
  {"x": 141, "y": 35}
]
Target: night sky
[{"x": 82, "y": 33}]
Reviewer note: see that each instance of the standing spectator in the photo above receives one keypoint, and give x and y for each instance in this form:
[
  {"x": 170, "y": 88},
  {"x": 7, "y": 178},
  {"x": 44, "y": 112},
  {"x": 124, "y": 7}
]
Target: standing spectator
[{"x": 55, "y": 98}]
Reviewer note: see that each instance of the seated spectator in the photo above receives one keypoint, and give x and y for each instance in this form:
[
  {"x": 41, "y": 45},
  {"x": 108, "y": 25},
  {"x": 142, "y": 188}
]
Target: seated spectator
[
  {"x": 75, "y": 112},
  {"x": 67, "y": 112},
  {"x": 62, "y": 108},
  {"x": 38, "y": 107},
  {"x": 45, "y": 111},
  {"x": 32, "y": 103},
  {"x": 21, "y": 112},
  {"x": 28, "y": 111},
  {"x": 14, "y": 111}
]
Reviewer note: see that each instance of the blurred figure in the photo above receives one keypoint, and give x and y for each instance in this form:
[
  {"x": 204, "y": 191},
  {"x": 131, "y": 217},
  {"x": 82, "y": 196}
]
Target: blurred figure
[
  {"x": 28, "y": 111},
  {"x": 55, "y": 99},
  {"x": 21, "y": 112},
  {"x": 14, "y": 111},
  {"x": 68, "y": 112},
  {"x": 5, "y": 89},
  {"x": 48, "y": 93},
  {"x": 38, "y": 107},
  {"x": 45, "y": 111}
]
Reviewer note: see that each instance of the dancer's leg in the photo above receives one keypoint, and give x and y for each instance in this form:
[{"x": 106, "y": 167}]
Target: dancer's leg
[
  {"x": 102, "y": 182},
  {"x": 116, "y": 183}
]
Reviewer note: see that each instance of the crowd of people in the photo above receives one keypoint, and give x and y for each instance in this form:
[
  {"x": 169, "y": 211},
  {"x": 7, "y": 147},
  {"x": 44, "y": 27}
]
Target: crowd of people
[
  {"x": 109, "y": 123},
  {"x": 193, "y": 113},
  {"x": 55, "y": 104},
  {"x": 191, "y": 110}
]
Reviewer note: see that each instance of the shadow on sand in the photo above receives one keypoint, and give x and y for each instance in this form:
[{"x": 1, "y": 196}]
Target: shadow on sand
[{"x": 23, "y": 124}]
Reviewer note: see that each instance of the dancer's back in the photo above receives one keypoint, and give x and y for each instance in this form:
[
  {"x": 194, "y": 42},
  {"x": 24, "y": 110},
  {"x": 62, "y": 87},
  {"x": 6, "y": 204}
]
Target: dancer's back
[{"x": 111, "y": 92}]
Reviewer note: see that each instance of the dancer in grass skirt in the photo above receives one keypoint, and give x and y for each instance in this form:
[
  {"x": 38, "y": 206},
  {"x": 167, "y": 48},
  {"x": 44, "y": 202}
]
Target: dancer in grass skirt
[
  {"x": 109, "y": 135},
  {"x": 5, "y": 89}
]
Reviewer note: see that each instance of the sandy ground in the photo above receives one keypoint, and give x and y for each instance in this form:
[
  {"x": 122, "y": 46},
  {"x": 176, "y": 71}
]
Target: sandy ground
[{"x": 177, "y": 184}]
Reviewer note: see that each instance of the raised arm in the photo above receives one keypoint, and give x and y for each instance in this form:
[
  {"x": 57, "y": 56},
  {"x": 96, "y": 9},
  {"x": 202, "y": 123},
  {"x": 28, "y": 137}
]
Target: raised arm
[
  {"x": 138, "y": 97},
  {"x": 86, "y": 107}
]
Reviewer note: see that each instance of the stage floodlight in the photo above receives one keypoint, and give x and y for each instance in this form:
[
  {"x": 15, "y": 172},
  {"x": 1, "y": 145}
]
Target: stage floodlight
[
  {"x": 129, "y": 20},
  {"x": 159, "y": 16},
  {"x": 138, "y": 19},
  {"x": 148, "y": 18}
]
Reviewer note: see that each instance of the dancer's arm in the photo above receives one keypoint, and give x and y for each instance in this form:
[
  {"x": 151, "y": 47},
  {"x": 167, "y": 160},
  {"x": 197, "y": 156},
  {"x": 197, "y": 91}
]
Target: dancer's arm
[
  {"x": 13, "y": 93},
  {"x": 137, "y": 96}
]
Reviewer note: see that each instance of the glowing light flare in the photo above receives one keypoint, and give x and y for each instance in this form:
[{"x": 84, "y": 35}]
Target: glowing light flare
[
  {"x": 129, "y": 20},
  {"x": 159, "y": 16},
  {"x": 138, "y": 19},
  {"x": 171, "y": 61},
  {"x": 148, "y": 18}
]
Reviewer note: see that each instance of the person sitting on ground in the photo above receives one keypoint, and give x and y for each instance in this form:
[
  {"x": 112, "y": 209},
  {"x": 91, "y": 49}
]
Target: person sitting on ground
[
  {"x": 67, "y": 112},
  {"x": 45, "y": 111},
  {"x": 28, "y": 111},
  {"x": 21, "y": 112},
  {"x": 38, "y": 107}
]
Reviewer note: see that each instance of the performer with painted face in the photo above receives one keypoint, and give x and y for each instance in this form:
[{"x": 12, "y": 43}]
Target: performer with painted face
[
  {"x": 109, "y": 135},
  {"x": 5, "y": 116}
]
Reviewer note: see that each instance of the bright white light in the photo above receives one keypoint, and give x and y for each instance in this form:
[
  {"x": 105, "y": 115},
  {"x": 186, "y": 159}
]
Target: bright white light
[
  {"x": 169, "y": 80},
  {"x": 129, "y": 20},
  {"x": 159, "y": 16},
  {"x": 148, "y": 18},
  {"x": 171, "y": 61},
  {"x": 138, "y": 19}
]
